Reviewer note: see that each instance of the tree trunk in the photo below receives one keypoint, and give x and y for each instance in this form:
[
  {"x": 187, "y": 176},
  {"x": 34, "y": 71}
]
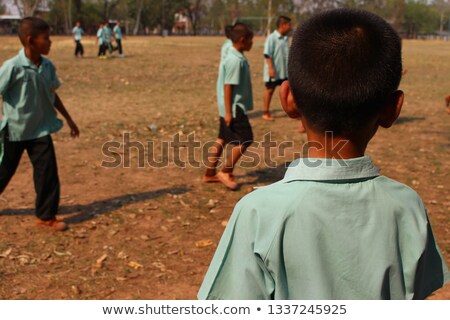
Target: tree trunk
[{"x": 138, "y": 16}]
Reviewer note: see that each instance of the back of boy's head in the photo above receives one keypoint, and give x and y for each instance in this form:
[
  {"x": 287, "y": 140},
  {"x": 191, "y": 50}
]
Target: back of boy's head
[
  {"x": 240, "y": 30},
  {"x": 282, "y": 20},
  {"x": 344, "y": 65},
  {"x": 31, "y": 26},
  {"x": 228, "y": 31}
]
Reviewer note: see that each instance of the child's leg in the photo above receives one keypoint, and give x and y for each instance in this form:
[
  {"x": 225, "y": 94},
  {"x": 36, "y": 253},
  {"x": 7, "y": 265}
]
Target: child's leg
[
  {"x": 119, "y": 46},
  {"x": 11, "y": 158},
  {"x": 233, "y": 157},
  {"x": 214, "y": 154},
  {"x": 268, "y": 93},
  {"x": 45, "y": 173}
]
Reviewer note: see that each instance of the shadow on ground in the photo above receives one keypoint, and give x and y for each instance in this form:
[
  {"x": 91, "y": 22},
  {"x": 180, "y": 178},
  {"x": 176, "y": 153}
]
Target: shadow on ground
[
  {"x": 403, "y": 120},
  {"x": 89, "y": 211}
]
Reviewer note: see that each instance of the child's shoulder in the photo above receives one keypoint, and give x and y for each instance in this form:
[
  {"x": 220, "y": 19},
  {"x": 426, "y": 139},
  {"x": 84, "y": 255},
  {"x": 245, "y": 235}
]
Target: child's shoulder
[
  {"x": 399, "y": 192},
  {"x": 11, "y": 64}
]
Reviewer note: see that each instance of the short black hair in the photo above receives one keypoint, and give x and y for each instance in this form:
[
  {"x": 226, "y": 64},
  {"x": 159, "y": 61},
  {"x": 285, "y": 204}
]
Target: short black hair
[
  {"x": 31, "y": 26},
  {"x": 343, "y": 66},
  {"x": 228, "y": 30},
  {"x": 282, "y": 19},
  {"x": 240, "y": 30}
]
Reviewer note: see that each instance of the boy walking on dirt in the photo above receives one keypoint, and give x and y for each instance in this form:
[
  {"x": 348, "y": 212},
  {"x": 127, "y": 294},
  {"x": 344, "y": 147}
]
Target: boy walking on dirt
[
  {"x": 276, "y": 49},
  {"x": 333, "y": 228},
  {"x": 78, "y": 34},
  {"x": 234, "y": 98},
  {"x": 27, "y": 84}
]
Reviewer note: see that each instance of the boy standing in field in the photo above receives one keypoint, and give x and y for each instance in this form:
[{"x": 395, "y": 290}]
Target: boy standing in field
[
  {"x": 234, "y": 99},
  {"x": 107, "y": 35},
  {"x": 276, "y": 50},
  {"x": 78, "y": 33},
  {"x": 118, "y": 36},
  {"x": 101, "y": 42},
  {"x": 333, "y": 228},
  {"x": 27, "y": 84}
]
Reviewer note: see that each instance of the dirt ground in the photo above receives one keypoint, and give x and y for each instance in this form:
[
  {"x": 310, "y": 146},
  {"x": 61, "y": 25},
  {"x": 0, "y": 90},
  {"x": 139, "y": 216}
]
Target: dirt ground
[{"x": 150, "y": 233}]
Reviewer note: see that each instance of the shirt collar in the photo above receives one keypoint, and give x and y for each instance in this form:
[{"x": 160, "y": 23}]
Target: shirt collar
[
  {"x": 24, "y": 61},
  {"x": 314, "y": 169},
  {"x": 238, "y": 54},
  {"x": 279, "y": 35}
]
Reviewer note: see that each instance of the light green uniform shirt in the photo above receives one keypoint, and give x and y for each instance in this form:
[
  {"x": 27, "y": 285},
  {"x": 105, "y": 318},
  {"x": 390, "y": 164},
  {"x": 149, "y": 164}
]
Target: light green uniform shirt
[
  {"x": 331, "y": 229},
  {"x": 107, "y": 33},
  {"x": 101, "y": 36},
  {"x": 28, "y": 94},
  {"x": 225, "y": 48},
  {"x": 117, "y": 32},
  {"x": 77, "y": 32},
  {"x": 276, "y": 48},
  {"x": 235, "y": 70}
]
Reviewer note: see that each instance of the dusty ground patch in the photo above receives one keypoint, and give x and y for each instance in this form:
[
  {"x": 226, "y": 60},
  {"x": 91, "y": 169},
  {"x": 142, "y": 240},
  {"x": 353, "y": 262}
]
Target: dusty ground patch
[{"x": 134, "y": 230}]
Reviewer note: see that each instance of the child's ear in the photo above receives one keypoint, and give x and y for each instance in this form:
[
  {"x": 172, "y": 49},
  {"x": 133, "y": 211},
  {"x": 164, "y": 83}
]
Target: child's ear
[
  {"x": 392, "y": 110},
  {"x": 287, "y": 101}
]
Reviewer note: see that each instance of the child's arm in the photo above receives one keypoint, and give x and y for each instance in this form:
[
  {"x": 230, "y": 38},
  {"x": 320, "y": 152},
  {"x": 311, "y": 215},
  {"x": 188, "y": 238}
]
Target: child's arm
[
  {"x": 74, "y": 132},
  {"x": 270, "y": 65},
  {"x": 228, "y": 95}
]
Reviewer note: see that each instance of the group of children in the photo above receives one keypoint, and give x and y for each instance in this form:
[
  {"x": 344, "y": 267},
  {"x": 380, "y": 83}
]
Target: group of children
[
  {"x": 333, "y": 228},
  {"x": 104, "y": 39}
]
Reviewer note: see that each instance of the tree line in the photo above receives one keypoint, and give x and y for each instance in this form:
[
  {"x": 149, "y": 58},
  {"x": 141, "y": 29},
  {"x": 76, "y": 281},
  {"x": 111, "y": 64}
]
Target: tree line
[{"x": 198, "y": 17}]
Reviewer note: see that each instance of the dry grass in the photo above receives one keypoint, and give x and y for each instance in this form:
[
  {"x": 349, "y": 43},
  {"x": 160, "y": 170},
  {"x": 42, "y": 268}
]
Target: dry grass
[{"x": 153, "y": 217}]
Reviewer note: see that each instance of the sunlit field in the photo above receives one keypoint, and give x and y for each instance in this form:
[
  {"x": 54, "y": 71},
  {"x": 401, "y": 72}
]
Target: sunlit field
[{"x": 147, "y": 230}]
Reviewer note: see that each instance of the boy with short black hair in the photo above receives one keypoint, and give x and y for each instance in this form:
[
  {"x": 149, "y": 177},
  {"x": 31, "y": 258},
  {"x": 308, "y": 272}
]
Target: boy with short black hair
[
  {"x": 27, "y": 85},
  {"x": 101, "y": 41},
  {"x": 118, "y": 36},
  {"x": 276, "y": 50},
  {"x": 108, "y": 36},
  {"x": 333, "y": 228},
  {"x": 78, "y": 34},
  {"x": 234, "y": 99}
]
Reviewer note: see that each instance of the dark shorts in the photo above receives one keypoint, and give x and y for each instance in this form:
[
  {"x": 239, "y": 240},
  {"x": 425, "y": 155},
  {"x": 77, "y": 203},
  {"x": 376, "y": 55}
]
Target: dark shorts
[
  {"x": 239, "y": 132},
  {"x": 274, "y": 84}
]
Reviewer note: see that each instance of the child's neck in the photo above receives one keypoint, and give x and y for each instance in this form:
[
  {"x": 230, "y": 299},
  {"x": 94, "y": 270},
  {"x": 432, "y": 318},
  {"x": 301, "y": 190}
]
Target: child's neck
[
  {"x": 280, "y": 31},
  {"x": 33, "y": 56},
  {"x": 334, "y": 147},
  {"x": 238, "y": 47}
]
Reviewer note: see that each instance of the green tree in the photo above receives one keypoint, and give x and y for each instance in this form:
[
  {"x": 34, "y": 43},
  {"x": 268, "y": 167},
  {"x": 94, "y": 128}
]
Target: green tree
[
  {"x": 2, "y": 7},
  {"x": 420, "y": 17}
]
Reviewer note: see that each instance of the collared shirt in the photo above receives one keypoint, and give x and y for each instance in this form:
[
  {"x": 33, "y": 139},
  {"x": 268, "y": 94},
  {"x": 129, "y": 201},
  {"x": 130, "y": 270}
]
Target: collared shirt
[
  {"x": 107, "y": 33},
  {"x": 28, "y": 94},
  {"x": 77, "y": 32},
  {"x": 276, "y": 48},
  {"x": 235, "y": 70},
  {"x": 101, "y": 36},
  {"x": 331, "y": 229},
  {"x": 225, "y": 48},
  {"x": 117, "y": 32}
]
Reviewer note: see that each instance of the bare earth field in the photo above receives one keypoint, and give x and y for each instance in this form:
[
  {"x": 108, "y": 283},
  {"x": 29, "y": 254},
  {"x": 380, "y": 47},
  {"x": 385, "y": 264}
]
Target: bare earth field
[{"x": 150, "y": 233}]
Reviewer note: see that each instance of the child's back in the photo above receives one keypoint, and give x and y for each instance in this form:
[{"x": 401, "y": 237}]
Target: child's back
[{"x": 346, "y": 233}]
